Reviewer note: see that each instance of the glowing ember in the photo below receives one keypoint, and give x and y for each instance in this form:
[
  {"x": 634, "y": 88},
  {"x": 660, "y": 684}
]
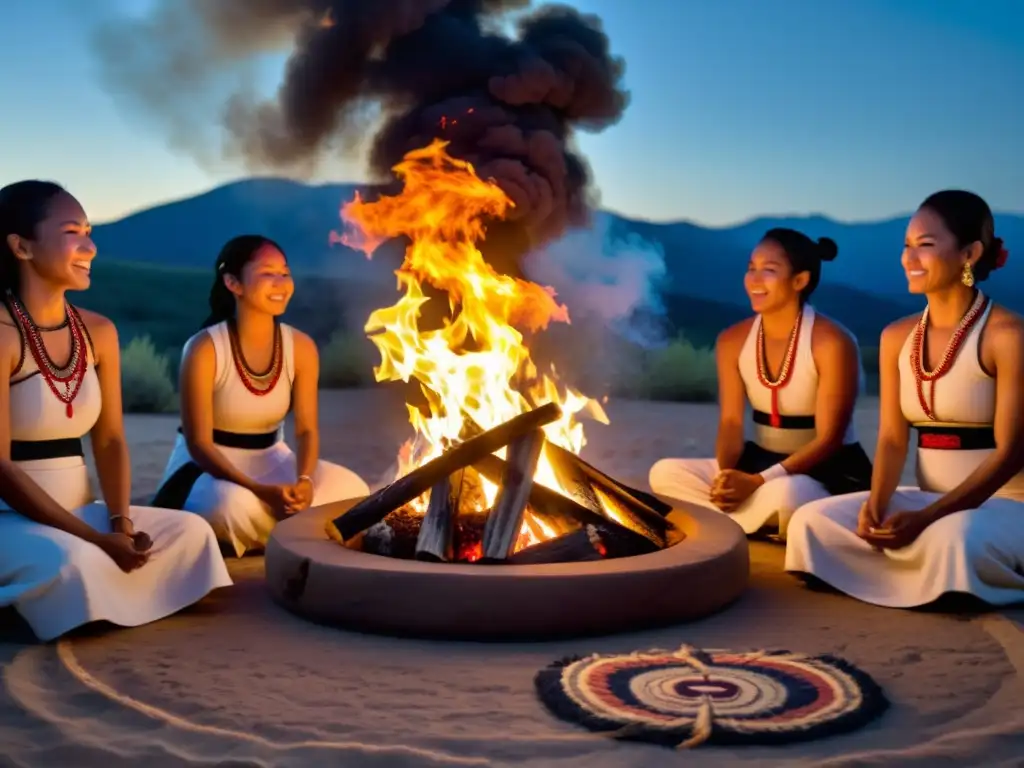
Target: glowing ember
[{"x": 476, "y": 369}]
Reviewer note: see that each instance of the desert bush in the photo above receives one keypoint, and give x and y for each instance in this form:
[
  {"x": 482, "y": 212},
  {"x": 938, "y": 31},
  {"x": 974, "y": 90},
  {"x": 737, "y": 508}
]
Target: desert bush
[
  {"x": 346, "y": 361},
  {"x": 679, "y": 371},
  {"x": 682, "y": 372},
  {"x": 146, "y": 383}
]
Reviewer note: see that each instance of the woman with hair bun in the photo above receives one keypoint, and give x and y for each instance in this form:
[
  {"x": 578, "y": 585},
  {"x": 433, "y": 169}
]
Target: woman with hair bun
[
  {"x": 955, "y": 374},
  {"x": 66, "y": 558},
  {"x": 800, "y": 373},
  {"x": 240, "y": 376}
]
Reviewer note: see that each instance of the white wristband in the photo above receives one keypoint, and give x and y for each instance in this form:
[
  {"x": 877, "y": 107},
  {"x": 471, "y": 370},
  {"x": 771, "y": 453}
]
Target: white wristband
[{"x": 773, "y": 472}]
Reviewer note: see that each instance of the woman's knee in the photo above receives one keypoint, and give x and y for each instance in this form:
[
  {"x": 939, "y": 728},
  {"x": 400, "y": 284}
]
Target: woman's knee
[
  {"x": 188, "y": 525},
  {"x": 221, "y": 502},
  {"x": 828, "y": 510},
  {"x": 976, "y": 532},
  {"x": 791, "y": 493},
  {"x": 660, "y": 472},
  {"x": 669, "y": 474},
  {"x": 336, "y": 483},
  {"x": 59, "y": 552}
]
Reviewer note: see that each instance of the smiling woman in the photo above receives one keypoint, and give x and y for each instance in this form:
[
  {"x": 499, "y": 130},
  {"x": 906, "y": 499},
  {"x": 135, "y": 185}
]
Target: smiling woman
[
  {"x": 799, "y": 372},
  {"x": 65, "y": 558},
  {"x": 240, "y": 376},
  {"x": 955, "y": 373}
]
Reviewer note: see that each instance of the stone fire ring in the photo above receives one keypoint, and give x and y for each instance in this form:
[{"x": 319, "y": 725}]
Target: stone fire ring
[{"x": 323, "y": 581}]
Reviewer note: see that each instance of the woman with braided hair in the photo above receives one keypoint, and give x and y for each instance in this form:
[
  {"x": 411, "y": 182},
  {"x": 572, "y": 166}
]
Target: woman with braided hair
[
  {"x": 800, "y": 373},
  {"x": 67, "y": 559},
  {"x": 955, "y": 374},
  {"x": 240, "y": 376}
]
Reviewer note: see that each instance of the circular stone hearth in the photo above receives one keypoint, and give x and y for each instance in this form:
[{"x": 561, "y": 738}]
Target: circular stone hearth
[{"x": 321, "y": 580}]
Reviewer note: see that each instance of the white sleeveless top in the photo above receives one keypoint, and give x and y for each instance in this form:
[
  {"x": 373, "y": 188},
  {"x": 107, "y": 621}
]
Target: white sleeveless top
[
  {"x": 964, "y": 397},
  {"x": 36, "y": 414},
  {"x": 235, "y": 408},
  {"x": 798, "y": 398}
]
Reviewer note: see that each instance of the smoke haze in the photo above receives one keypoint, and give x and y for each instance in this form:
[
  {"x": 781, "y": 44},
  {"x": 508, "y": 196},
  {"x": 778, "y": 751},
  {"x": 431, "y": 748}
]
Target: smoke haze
[
  {"x": 507, "y": 86},
  {"x": 605, "y": 277}
]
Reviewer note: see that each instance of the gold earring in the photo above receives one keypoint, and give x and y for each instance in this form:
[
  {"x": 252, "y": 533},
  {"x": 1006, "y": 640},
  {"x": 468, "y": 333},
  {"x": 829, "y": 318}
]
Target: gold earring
[{"x": 967, "y": 276}]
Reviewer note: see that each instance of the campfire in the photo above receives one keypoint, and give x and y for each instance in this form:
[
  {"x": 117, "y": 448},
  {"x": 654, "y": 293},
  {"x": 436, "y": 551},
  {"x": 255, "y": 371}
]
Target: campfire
[{"x": 493, "y": 472}]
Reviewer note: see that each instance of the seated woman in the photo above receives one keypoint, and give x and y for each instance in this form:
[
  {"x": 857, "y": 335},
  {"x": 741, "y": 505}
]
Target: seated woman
[
  {"x": 956, "y": 374},
  {"x": 66, "y": 559},
  {"x": 240, "y": 375},
  {"x": 800, "y": 373}
]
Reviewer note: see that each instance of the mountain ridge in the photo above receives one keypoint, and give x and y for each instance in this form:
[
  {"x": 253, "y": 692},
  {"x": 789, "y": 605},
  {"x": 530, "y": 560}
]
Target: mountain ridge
[{"x": 864, "y": 288}]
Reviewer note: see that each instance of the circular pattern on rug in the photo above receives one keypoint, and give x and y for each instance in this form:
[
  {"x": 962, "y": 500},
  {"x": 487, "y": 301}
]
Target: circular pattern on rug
[{"x": 688, "y": 696}]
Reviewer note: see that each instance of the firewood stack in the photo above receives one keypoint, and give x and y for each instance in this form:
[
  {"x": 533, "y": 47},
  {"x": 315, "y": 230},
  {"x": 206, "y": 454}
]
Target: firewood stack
[{"x": 594, "y": 518}]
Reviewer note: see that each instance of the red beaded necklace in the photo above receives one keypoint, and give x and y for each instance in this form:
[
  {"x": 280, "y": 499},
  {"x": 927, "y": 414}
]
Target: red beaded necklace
[
  {"x": 64, "y": 381},
  {"x": 948, "y": 357},
  {"x": 787, "y": 366},
  {"x": 259, "y": 384}
]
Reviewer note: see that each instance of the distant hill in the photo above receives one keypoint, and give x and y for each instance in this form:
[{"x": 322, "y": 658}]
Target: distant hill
[{"x": 864, "y": 288}]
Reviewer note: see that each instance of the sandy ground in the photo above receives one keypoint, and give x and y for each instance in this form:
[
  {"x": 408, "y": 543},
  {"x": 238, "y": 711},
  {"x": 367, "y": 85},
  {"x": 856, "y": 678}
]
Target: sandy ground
[{"x": 236, "y": 681}]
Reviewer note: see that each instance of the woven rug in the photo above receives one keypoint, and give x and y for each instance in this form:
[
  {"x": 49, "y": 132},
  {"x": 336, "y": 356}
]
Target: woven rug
[{"x": 688, "y": 697}]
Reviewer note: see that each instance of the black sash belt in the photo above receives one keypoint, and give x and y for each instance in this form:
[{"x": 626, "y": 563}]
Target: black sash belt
[
  {"x": 787, "y": 422},
  {"x": 956, "y": 438},
  {"x": 38, "y": 450},
  {"x": 848, "y": 470},
  {"x": 176, "y": 489},
  {"x": 256, "y": 442}
]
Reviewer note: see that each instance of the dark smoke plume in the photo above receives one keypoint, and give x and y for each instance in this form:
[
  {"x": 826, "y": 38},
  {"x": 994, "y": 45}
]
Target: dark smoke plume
[{"x": 508, "y": 99}]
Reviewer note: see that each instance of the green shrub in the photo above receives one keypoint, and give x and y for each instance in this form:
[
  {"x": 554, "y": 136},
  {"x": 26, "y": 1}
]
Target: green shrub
[
  {"x": 146, "y": 383},
  {"x": 346, "y": 361},
  {"x": 677, "y": 372}
]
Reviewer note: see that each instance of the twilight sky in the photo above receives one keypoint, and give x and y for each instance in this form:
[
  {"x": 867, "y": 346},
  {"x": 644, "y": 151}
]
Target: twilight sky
[{"x": 853, "y": 108}]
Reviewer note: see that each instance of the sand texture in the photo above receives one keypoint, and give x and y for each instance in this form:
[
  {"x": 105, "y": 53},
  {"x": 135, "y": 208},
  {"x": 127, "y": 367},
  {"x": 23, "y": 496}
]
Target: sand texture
[{"x": 236, "y": 681}]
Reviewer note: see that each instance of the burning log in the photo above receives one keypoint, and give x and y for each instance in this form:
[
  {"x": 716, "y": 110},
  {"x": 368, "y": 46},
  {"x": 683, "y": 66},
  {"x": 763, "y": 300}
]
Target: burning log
[
  {"x": 506, "y": 518},
  {"x": 583, "y": 544},
  {"x": 469, "y": 535},
  {"x": 632, "y": 496},
  {"x": 620, "y": 541},
  {"x": 551, "y": 524},
  {"x": 375, "y": 507},
  {"x": 434, "y": 541},
  {"x": 544, "y": 502},
  {"x": 395, "y": 535},
  {"x": 470, "y": 518},
  {"x": 601, "y": 494}
]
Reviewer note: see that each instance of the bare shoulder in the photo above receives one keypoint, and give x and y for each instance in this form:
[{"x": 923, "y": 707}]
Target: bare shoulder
[
  {"x": 199, "y": 348},
  {"x": 732, "y": 338},
  {"x": 10, "y": 338},
  {"x": 304, "y": 344},
  {"x": 832, "y": 335},
  {"x": 101, "y": 328},
  {"x": 896, "y": 332},
  {"x": 1004, "y": 326}
]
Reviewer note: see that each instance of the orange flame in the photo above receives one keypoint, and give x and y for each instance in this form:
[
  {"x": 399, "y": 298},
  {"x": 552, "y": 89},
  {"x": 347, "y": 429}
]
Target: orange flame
[{"x": 476, "y": 366}]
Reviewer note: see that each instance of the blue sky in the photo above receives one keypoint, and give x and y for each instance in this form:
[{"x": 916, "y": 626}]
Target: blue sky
[{"x": 852, "y": 108}]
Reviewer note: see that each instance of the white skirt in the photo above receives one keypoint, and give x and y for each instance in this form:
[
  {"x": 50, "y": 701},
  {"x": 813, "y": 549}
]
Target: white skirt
[
  {"x": 58, "y": 582},
  {"x": 770, "y": 505},
  {"x": 239, "y": 518},
  {"x": 978, "y": 552}
]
